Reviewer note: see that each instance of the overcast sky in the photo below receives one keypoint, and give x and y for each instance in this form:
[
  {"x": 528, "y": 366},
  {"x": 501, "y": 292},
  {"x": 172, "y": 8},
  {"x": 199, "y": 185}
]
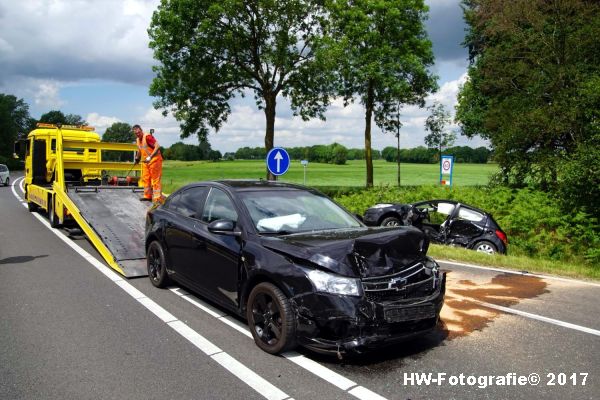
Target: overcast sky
[{"x": 91, "y": 58}]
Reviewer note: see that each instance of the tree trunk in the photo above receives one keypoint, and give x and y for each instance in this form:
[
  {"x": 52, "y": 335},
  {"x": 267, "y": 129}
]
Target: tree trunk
[
  {"x": 368, "y": 117},
  {"x": 270, "y": 103}
]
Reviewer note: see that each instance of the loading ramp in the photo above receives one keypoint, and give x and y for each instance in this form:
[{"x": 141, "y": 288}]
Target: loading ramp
[{"x": 117, "y": 218}]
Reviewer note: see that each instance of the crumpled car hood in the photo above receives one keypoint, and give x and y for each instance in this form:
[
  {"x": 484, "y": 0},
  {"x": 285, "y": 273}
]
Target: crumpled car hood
[{"x": 357, "y": 252}]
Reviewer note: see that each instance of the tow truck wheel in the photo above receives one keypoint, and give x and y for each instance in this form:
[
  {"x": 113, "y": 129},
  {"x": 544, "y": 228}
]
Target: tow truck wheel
[
  {"x": 157, "y": 265},
  {"x": 271, "y": 319},
  {"x": 52, "y": 217}
]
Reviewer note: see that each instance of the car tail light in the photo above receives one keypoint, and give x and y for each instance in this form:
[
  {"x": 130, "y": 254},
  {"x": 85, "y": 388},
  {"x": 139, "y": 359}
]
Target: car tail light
[{"x": 502, "y": 236}]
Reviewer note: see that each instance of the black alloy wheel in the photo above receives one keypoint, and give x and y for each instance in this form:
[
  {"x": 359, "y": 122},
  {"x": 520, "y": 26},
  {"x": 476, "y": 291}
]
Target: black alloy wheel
[
  {"x": 271, "y": 320},
  {"x": 157, "y": 266}
]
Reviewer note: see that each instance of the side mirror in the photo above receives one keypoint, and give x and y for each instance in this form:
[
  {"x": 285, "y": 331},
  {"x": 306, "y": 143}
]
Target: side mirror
[
  {"x": 359, "y": 217},
  {"x": 224, "y": 227}
]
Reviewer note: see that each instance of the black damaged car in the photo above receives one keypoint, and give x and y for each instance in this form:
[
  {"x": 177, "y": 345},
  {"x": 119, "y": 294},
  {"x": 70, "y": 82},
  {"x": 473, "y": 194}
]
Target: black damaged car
[
  {"x": 301, "y": 269},
  {"x": 444, "y": 222}
]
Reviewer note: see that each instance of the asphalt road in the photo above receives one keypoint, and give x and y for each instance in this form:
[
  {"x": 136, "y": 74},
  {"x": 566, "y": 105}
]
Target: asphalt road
[{"x": 71, "y": 329}]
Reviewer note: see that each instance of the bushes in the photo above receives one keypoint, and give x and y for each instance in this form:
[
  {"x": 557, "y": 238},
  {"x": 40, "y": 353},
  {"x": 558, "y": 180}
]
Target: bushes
[
  {"x": 532, "y": 219},
  {"x": 12, "y": 163}
]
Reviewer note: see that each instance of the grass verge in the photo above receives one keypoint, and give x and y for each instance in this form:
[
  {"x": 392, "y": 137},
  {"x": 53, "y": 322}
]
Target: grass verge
[{"x": 517, "y": 263}]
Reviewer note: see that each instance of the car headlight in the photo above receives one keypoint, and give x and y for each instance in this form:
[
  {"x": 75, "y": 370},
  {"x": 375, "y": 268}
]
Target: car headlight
[
  {"x": 334, "y": 284},
  {"x": 433, "y": 269}
]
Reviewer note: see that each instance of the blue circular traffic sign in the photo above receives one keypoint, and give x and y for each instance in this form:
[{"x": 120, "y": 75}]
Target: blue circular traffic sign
[{"x": 278, "y": 161}]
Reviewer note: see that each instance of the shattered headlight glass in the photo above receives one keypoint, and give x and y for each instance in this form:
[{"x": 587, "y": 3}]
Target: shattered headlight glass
[{"x": 334, "y": 284}]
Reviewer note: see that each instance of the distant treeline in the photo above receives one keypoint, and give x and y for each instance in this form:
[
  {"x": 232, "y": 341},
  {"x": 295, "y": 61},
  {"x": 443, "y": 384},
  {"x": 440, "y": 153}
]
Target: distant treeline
[
  {"x": 330, "y": 154},
  {"x": 424, "y": 155},
  {"x": 338, "y": 154},
  {"x": 191, "y": 152}
]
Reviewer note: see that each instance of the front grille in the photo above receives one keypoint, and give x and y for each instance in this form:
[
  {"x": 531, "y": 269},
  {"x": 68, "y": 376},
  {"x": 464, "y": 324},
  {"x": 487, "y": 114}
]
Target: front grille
[
  {"x": 414, "y": 282},
  {"x": 402, "y": 314}
]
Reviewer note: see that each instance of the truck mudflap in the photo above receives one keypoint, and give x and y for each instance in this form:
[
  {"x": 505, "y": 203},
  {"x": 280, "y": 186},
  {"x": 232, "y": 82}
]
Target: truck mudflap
[{"x": 118, "y": 218}]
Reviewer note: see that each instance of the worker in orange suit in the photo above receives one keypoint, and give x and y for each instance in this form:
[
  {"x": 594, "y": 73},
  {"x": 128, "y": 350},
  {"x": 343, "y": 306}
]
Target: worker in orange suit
[{"x": 149, "y": 154}]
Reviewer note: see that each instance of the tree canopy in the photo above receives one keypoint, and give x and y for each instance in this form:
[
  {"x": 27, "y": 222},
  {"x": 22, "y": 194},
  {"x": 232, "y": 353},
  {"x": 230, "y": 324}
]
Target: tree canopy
[
  {"x": 119, "y": 132},
  {"x": 533, "y": 92},
  {"x": 14, "y": 123},
  {"x": 438, "y": 138},
  {"x": 210, "y": 52},
  {"x": 57, "y": 117},
  {"x": 382, "y": 54}
]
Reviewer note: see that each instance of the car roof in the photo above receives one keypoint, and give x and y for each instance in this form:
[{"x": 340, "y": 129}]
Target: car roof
[{"x": 418, "y": 203}]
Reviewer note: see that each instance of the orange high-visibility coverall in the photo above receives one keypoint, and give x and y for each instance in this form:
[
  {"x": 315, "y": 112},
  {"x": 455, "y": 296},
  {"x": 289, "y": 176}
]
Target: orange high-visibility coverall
[{"x": 152, "y": 170}]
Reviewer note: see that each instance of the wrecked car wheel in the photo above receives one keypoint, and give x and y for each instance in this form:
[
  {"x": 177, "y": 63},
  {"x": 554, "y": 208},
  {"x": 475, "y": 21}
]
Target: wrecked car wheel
[
  {"x": 270, "y": 318},
  {"x": 157, "y": 266},
  {"x": 485, "y": 247},
  {"x": 390, "y": 221}
]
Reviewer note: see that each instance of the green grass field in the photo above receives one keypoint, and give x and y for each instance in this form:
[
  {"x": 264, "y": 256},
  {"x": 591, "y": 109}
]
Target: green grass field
[{"x": 179, "y": 173}]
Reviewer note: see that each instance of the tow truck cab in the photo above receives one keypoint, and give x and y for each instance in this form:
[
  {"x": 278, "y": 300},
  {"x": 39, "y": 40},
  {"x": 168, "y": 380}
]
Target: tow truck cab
[{"x": 40, "y": 154}]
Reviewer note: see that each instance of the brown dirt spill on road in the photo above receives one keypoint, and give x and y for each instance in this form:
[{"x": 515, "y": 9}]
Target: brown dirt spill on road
[{"x": 461, "y": 315}]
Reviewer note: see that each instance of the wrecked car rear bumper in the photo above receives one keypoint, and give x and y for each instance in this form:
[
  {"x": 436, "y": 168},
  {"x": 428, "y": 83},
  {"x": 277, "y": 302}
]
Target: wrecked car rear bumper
[{"x": 346, "y": 325}]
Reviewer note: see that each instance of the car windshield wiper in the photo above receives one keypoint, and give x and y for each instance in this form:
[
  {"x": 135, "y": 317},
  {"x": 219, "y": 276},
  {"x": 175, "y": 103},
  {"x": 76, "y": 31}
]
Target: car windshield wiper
[{"x": 281, "y": 232}]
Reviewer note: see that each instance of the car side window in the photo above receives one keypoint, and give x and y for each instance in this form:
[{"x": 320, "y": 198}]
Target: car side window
[
  {"x": 470, "y": 215},
  {"x": 218, "y": 206},
  {"x": 189, "y": 202},
  {"x": 173, "y": 201}
]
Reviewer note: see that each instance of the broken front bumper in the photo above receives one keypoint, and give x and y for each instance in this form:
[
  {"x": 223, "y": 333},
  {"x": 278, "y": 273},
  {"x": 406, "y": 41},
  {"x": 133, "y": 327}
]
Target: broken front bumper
[{"x": 345, "y": 324}]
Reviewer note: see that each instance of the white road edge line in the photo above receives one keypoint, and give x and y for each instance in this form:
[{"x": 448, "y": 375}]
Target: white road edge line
[
  {"x": 538, "y": 317},
  {"x": 309, "y": 365},
  {"x": 12, "y": 187},
  {"x": 524, "y": 273},
  {"x": 243, "y": 373}
]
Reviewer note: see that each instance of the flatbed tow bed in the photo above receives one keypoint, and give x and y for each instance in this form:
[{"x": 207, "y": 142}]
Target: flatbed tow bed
[{"x": 112, "y": 217}]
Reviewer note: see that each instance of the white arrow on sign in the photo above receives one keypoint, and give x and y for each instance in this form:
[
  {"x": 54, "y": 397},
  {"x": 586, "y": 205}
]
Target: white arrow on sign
[{"x": 278, "y": 157}]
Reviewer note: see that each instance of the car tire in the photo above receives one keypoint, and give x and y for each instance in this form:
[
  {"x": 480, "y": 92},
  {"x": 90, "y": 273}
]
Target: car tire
[
  {"x": 485, "y": 246},
  {"x": 157, "y": 265},
  {"x": 7, "y": 181},
  {"x": 52, "y": 217},
  {"x": 271, "y": 319},
  {"x": 390, "y": 221}
]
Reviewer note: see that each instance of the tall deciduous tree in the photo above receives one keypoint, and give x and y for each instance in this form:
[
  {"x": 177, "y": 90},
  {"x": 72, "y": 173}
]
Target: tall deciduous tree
[
  {"x": 439, "y": 138},
  {"x": 383, "y": 56},
  {"x": 119, "y": 132},
  {"x": 210, "y": 51},
  {"x": 58, "y": 117},
  {"x": 14, "y": 122},
  {"x": 532, "y": 87}
]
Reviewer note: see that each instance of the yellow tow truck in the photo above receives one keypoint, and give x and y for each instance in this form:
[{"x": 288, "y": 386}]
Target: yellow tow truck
[{"x": 64, "y": 177}]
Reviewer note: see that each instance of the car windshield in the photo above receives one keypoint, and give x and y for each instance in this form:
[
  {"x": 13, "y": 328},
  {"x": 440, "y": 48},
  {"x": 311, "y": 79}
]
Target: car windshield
[{"x": 293, "y": 211}]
